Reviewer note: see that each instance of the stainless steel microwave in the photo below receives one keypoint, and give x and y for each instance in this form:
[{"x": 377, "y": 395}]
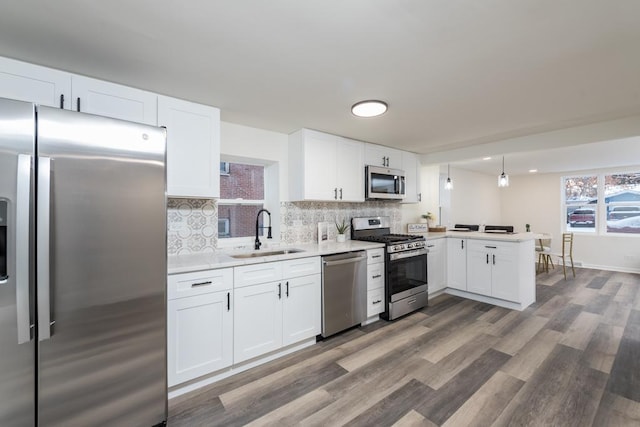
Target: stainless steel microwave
[{"x": 384, "y": 183}]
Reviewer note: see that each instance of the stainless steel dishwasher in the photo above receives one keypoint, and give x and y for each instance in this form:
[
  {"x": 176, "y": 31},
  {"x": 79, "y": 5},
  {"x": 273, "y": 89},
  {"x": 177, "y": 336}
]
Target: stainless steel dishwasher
[{"x": 344, "y": 291}]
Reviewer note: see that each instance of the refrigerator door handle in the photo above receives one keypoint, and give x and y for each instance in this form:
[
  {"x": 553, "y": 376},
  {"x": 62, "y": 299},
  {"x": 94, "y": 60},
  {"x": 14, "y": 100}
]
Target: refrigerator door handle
[
  {"x": 23, "y": 206},
  {"x": 42, "y": 223}
]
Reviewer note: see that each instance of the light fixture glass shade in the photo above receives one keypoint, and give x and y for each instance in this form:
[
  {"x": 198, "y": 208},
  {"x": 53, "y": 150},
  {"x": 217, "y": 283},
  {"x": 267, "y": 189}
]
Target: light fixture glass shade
[
  {"x": 448, "y": 185},
  {"x": 370, "y": 108},
  {"x": 503, "y": 180}
]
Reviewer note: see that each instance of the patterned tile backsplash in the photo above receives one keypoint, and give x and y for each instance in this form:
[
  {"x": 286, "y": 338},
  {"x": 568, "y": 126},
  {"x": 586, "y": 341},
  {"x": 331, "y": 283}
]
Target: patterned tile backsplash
[
  {"x": 193, "y": 223},
  {"x": 192, "y": 226}
]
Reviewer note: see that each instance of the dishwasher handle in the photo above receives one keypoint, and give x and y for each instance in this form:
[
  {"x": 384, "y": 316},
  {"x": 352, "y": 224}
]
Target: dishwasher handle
[{"x": 345, "y": 261}]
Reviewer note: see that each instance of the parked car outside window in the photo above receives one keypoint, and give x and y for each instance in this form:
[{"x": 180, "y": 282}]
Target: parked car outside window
[
  {"x": 621, "y": 212},
  {"x": 583, "y": 217}
]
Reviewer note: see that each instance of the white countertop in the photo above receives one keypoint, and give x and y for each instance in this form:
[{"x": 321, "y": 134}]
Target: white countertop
[
  {"x": 222, "y": 258},
  {"x": 504, "y": 237}
]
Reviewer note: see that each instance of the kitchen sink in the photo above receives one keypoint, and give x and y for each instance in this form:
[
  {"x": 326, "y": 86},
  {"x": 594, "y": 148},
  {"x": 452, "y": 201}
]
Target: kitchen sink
[{"x": 267, "y": 253}]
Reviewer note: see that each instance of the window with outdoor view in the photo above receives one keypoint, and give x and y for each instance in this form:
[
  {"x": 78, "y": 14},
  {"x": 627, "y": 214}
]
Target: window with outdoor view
[
  {"x": 622, "y": 202},
  {"x": 241, "y": 197},
  {"x": 581, "y": 202}
]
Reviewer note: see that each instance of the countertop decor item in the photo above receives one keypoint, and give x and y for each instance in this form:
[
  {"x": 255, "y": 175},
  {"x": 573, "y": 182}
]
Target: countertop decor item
[{"x": 342, "y": 229}]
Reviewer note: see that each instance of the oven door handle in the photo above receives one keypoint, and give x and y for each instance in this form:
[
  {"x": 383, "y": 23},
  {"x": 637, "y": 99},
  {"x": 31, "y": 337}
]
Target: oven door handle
[{"x": 408, "y": 254}]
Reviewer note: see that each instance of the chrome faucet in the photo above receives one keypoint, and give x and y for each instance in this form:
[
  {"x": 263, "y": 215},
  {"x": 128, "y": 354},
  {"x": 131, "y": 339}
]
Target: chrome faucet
[{"x": 257, "y": 243}]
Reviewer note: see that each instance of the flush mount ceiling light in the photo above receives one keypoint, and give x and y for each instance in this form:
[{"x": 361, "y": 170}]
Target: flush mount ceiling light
[
  {"x": 503, "y": 179},
  {"x": 448, "y": 185},
  {"x": 370, "y": 108},
  {"x": 533, "y": 170},
  {"x": 486, "y": 158}
]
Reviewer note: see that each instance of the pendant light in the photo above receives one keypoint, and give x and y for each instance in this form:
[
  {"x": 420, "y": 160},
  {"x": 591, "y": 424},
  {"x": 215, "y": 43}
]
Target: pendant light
[
  {"x": 448, "y": 185},
  {"x": 503, "y": 179}
]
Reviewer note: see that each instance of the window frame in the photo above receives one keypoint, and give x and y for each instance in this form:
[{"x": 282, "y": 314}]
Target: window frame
[
  {"x": 268, "y": 181},
  {"x": 601, "y": 207}
]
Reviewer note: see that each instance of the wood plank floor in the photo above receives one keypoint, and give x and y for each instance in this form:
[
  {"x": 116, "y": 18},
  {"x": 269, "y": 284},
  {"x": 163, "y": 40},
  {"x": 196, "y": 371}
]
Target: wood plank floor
[{"x": 571, "y": 359}]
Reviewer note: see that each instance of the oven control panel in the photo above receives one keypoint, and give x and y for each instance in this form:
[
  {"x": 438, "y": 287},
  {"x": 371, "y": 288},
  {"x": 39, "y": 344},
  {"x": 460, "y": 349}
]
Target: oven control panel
[{"x": 401, "y": 247}]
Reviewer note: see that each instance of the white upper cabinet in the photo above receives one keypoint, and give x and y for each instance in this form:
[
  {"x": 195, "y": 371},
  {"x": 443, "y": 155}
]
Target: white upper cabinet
[
  {"x": 193, "y": 147},
  {"x": 113, "y": 100},
  {"x": 32, "y": 83},
  {"x": 325, "y": 167},
  {"x": 379, "y": 155},
  {"x": 411, "y": 167}
]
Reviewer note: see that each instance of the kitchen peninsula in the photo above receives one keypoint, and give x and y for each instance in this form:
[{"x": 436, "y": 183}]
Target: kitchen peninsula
[{"x": 496, "y": 268}]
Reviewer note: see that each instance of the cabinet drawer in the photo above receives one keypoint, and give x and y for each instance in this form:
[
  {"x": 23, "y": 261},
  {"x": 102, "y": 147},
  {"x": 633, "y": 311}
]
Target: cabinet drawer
[
  {"x": 257, "y": 273},
  {"x": 300, "y": 267},
  {"x": 375, "y": 276},
  {"x": 199, "y": 282},
  {"x": 375, "y": 302},
  {"x": 375, "y": 255}
]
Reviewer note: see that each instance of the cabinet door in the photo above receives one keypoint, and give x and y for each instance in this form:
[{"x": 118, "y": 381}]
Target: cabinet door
[
  {"x": 479, "y": 268},
  {"x": 320, "y": 166},
  {"x": 193, "y": 147},
  {"x": 32, "y": 83},
  {"x": 436, "y": 266},
  {"x": 504, "y": 275},
  {"x": 379, "y": 155},
  {"x": 301, "y": 308},
  {"x": 113, "y": 100},
  {"x": 350, "y": 170},
  {"x": 257, "y": 320},
  {"x": 200, "y": 336},
  {"x": 411, "y": 167},
  {"x": 457, "y": 263}
]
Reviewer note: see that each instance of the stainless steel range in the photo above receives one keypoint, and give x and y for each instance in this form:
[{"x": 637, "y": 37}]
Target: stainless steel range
[{"x": 406, "y": 287}]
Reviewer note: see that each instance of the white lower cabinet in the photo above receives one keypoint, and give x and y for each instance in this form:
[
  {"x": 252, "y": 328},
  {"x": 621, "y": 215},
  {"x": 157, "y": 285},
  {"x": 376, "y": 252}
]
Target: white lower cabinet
[
  {"x": 275, "y": 314},
  {"x": 437, "y": 265},
  {"x": 257, "y": 320},
  {"x": 375, "y": 282},
  {"x": 456, "y": 263},
  {"x": 301, "y": 308},
  {"x": 492, "y": 269},
  {"x": 199, "y": 324}
]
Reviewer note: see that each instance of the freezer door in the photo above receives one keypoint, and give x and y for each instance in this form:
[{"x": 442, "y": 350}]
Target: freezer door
[
  {"x": 101, "y": 271},
  {"x": 17, "y": 348}
]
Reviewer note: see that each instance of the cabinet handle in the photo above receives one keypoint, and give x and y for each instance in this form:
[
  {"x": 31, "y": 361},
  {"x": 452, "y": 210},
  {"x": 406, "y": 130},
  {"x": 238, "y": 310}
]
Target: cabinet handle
[
  {"x": 341, "y": 194},
  {"x": 490, "y": 247},
  {"x": 462, "y": 243},
  {"x": 78, "y": 105},
  {"x": 419, "y": 197},
  {"x": 376, "y": 276},
  {"x": 376, "y": 256},
  {"x": 431, "y": 246},
  {"x": 494, "y": 260},
  {"x": 377, "y": 302},
  {"x": 487, "y": 258},
  {"x": 384, "y": 161},
  {"x": 287, "y": 293},
  {"x": 335, "y": 193},
  {"x": 61, "y": 100},
  {"x": 279, "y": 290},
  {"x": 228, "y": 301},
  {"x": 193, "y": 285}
]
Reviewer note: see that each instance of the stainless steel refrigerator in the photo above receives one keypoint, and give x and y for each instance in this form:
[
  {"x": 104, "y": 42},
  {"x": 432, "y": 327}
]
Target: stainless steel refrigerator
[{"x": 82, "y": 269}]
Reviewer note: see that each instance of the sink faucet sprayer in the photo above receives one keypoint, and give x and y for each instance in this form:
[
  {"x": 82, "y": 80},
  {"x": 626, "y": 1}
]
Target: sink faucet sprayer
[{"x": 257, "y": 243}]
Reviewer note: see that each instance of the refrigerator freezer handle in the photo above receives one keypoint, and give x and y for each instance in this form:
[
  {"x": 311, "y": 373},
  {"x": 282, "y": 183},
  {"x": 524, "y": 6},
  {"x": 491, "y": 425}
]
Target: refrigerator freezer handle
[
  {"x": 23, "y": 207},
  {"x": 42, "y": 222}
]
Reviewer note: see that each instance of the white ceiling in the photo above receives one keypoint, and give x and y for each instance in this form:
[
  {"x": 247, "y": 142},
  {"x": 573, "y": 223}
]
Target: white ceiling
[{"x": 455, "y": 73}]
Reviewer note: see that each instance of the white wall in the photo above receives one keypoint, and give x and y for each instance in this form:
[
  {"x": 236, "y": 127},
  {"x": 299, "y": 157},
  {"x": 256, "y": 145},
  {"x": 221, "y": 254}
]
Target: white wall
[
  {"x": 244, "y": 142},
  {"x": 475, "y": 199},
  {"x": 536, "y": 199}
]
